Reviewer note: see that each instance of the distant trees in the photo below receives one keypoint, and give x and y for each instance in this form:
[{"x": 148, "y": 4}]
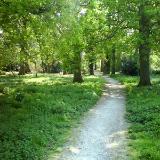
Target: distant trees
[{"x": 17, "y": 25}]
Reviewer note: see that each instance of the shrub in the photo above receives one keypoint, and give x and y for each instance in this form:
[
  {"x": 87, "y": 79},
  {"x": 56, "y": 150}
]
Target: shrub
[
  {"x": 6, "y": 90},
  {"x": 156, "y": 71},
  {"x": 19, "y": 96},
  {"x": 129, "y": 67}
]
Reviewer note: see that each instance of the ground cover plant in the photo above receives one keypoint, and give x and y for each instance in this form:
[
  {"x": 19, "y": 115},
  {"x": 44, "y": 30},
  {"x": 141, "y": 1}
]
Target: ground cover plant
[
  {"x": 37, "y": 114},
  {"x": 143, "y": 113}
]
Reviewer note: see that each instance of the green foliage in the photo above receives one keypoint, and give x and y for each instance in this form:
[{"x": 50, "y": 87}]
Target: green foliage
[
  {"x": 37, "y": 114},
  {"x": 143, "y": 113},
  {"x": 129, "y": 67}
]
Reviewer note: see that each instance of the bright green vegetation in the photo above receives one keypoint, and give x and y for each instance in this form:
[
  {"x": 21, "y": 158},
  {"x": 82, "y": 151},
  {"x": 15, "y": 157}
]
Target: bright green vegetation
[
  {"x": 143, "y": 113},
  {"x": 37, "y": 114}
]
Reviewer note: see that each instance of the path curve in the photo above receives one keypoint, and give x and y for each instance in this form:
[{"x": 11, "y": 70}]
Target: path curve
[{"x": 102, "y": 133}]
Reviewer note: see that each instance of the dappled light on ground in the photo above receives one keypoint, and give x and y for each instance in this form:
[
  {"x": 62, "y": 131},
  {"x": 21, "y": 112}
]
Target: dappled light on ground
[{"x": 36, "y": 114}]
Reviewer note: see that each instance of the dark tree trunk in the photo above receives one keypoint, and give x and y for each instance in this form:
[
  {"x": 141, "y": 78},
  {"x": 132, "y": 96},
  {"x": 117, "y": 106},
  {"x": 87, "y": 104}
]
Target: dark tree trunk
[
  {"x": 144, "y": 47},
  {"x": 35, "y": 64},
  {"x": 95, "y": 66},
  {"x": 77, "y": 69},
  {"x": 91, "y": 67},
  {"x": 77, "y": 77},
  {"x": 43, "y": 67},
  {"x": 113, "y": 60},
  {"x": 65, "y": 71},
  {"x": 106, "y": 65},
  {"x": 102, "y": 64}
]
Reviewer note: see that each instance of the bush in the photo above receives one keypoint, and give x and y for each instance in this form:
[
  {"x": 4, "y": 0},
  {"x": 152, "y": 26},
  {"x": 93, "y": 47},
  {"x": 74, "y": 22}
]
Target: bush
[
  {"x": 129, "y": 67},
  {"x": 6, "y": 90},
  {"x": 156, "y": 71},
  {"x": 19, "y": 96}
]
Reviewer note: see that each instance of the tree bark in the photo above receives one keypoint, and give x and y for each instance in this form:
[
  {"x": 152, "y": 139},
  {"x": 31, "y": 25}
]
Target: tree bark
[
  {"x": 35, "y": 64},
  {"x": 77, "y": 77},
  {"x": 144, "y": 47},
  {"x": 95, "y": 66},
  {"x": 91, "y": 67},
  {"x": 102, "y": 64},
  {"x": 106, "y": 65},
  {"x": 77, "y": 69},
  {"x": 113, "y": 60}
]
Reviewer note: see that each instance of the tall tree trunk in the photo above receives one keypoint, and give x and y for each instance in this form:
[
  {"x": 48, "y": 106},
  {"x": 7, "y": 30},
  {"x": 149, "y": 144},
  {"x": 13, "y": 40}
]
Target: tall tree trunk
[
  {"x": 144, "y": 47},
  {"x": 118, "y": 62},
  {"x": 91, "y": 67},
  {"x": 77, "y": 69},
  {"x": 102, "y": 64},
  {"x": 95, "y": 66},
  {"x": 106, "y": 65},
  {"x": 113, "y": 60},
  {"x": 35, "y": 64}
]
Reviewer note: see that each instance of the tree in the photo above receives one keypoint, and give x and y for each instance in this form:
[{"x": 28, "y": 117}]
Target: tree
[
  {"x": 72, "y": 41},
  {"x": 113, "y": 59},
  {"x": 144, "y": 45},
  {"x": 137, "y": 18},
  {"x": 18, "y": 23}
]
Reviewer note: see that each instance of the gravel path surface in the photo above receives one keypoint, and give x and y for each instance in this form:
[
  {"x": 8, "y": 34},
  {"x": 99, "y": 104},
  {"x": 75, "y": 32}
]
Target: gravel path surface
[{"x": 102, "y": 133}]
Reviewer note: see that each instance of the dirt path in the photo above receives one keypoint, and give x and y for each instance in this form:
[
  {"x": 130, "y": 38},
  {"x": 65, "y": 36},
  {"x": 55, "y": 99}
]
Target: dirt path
[{"x": 102, "y": 133}]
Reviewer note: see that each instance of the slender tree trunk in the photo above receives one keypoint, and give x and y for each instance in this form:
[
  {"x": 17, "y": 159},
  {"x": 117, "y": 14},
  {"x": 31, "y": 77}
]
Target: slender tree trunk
[
  {"x": 77, "y": 69},
  {"x": 106, "y": 65},
  {"x": 91, "y": 67},
  {"x": 102, "y": 63},
  {"x": 43, "y": 67},
  {"x": 118, "y": 62},
  {"x": 113, "y": 60},
  {"x": 144, "y": 47},
  {"x": 35, "y": 64},
  {"x": 95, "y": 66}
]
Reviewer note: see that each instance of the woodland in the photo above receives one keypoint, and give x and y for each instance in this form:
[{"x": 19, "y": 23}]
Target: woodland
[{"x": 51, "y": 55}]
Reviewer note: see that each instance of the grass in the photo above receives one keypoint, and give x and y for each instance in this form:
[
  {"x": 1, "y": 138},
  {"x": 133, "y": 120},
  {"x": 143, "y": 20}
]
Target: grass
[
  {"x": 143, "y": 113},
  {"x": 37, "y": 114}
]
